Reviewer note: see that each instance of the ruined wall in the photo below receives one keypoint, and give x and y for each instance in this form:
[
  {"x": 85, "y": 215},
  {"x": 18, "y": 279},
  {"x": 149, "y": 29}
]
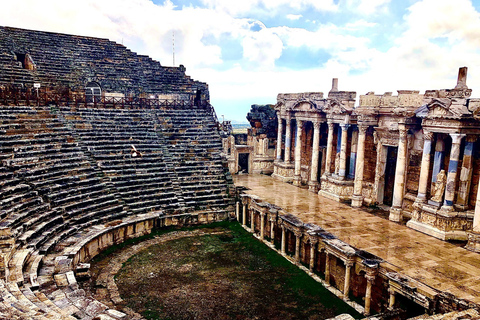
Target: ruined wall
[{"x": 60, "y": 61}]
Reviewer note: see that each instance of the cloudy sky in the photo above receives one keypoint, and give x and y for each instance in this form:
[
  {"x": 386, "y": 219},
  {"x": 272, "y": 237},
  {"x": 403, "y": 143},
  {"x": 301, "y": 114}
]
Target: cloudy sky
[{"x": 248, "y": 51}]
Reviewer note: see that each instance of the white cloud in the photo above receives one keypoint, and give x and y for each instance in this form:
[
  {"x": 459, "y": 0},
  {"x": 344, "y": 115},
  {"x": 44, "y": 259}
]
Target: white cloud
[
  {"x": 294, "y": 16},
  {"x": 271, "y": 7}
]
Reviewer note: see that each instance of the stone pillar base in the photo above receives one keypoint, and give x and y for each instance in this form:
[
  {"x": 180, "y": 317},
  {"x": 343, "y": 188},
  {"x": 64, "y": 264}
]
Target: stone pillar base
[
  {"x": 357, "y": 201},
  {"x": 297, "y": 181},
  {"x": 395, "y": 214},
  {"x": 473, "y": 243},
  {"x": 313, "y": 186}
]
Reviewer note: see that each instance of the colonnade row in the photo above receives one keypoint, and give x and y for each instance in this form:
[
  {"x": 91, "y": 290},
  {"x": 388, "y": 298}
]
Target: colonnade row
[
  {"x": 311, "y": 246},
  {"x": 431, "y": 174}
]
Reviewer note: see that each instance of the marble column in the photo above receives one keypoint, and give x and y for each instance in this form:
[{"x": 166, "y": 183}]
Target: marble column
[
  {"x": 466, "y": 174},
  {"x": 313, "y": 183},
  {"x": 244, "y": 215},
  {"x": 438, "y": 159},
  {"x": 476, "y": 217},
  {"x": 399, "y": 184},
  {"x": 353, "y": 154},
  {"x": 279, "y": 137},
  {"x": 298, "y": 239},
  {"x": 297, "y": 179},
  {"x": 391, "y": 300},
  {"x": 425, "y": 167},
  {"x": 343, "y": 151},
  {"x": 288, "y": 138},
  {"x": 237, "y": 211},
  {"x": 313, "y": 243},
  {"x": 252, "y": 220},
  {"x": 327, "y": 269},
  {"x": 328, "y": 162},
  {"x": 262, "y": 225},
  {"x": 368, "y": 293},
  {"x": 357, "y": 199},
  {"x": 346, "y": 286},
  {"x": 272, "y": 230},
  {"x": 283, "y": 240},
  {"x": 452, "y": 171}
]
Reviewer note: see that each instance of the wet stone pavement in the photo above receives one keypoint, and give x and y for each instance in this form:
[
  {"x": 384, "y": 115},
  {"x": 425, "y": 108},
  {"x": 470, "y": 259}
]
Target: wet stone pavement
[{"x": 436, "y": 263}]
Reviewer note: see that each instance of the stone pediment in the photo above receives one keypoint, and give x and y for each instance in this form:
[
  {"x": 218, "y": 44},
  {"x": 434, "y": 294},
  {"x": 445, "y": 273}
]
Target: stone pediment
[
  {"x": 444, "y": 108},
  {"x": 335, "y": 107}
]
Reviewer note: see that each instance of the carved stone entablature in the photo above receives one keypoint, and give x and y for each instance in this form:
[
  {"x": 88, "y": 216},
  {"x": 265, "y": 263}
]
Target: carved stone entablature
[
  {"x": 474, "y": 107},
  {"x": 289, "y": 101},
  {"x": 371, "y": 100},
  {"x": 459, "y": 93},
  {"x": 386, "y": 137}
]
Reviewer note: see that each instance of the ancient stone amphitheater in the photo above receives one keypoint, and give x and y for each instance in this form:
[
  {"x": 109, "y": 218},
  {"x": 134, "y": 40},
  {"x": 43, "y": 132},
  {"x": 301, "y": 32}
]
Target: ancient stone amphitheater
[{"x": 97, "y": 145}]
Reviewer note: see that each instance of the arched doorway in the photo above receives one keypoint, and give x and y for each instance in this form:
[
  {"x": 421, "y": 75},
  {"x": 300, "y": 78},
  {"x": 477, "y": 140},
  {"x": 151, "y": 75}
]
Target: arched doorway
[{"x": 93, "y": 92}]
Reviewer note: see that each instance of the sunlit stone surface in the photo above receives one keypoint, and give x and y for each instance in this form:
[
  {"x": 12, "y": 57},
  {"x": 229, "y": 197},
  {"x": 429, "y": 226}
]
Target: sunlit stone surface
[{"x": 436, "y": 263}]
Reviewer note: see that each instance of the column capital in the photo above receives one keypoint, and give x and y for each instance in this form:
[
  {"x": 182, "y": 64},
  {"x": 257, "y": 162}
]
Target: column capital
[
  {"x": 362, "y": 128},
  {"x": 427, "y": 135},
  {"x": 349, "y": 263},
  {"x": 370, "y": 277},
  {"x": 299, "y": 122},
  {"x": 330, "y": 125},
  {"x": 344, "y": 126},
  {"x": 316, "y": 125},
  {"x": 262, "y": 214},
  {"x": 457, "y": 137},
  {"x": 297, "y": 233},
  {"x": 391, "y": 291},
  {"x": 288, "y": 116},
  {"x": 313, "y": 240}
]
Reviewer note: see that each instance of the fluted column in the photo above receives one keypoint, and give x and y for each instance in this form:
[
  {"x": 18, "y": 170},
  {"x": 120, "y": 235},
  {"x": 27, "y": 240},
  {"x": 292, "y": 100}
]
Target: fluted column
[
  {"x": 343, "y": 151},
  {"x": 313, "y": 183},
  {"x": 368, "y": 292},
  {"x": 297, "y": 179},
  {"x": 452, "y": 171},
  {"x": 279, "y": 137},
  {"x": 466, "y": 174},
  {"x": 282, "y": 248},
  {"x": 288, "y": 138},
  {"x": 398, "y": 188},
  {"x": 357, "y": 199},
  {"x": 425, "y": 168},
  {"x": 262, "y": 225},
  {"x": 313, "y": 243},
  {"x": 328, "y": 162},
  {"x": 346, "y": 286}
]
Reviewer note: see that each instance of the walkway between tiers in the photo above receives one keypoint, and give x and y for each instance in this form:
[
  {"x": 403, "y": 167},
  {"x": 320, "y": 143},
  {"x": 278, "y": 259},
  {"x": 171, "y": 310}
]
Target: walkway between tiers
[{"x": 433, "y": 262}]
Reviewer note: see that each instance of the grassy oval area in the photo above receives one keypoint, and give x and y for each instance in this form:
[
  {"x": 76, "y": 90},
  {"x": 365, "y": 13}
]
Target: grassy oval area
[{"x": 223, "y": 274}]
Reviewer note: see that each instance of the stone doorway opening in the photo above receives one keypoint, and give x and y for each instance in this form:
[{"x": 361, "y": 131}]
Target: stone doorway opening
[
  {"x": 390, "y": 167},
  {"x": 243, "y": 162},
  {"x": 93, "y": 92}
]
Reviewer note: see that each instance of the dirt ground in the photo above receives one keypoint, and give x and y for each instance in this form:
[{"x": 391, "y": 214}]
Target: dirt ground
[{"x": 222, "y": 274}]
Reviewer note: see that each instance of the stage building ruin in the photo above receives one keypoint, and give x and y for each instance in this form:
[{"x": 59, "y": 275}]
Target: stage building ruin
[{"x": 413, "y": 154}]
